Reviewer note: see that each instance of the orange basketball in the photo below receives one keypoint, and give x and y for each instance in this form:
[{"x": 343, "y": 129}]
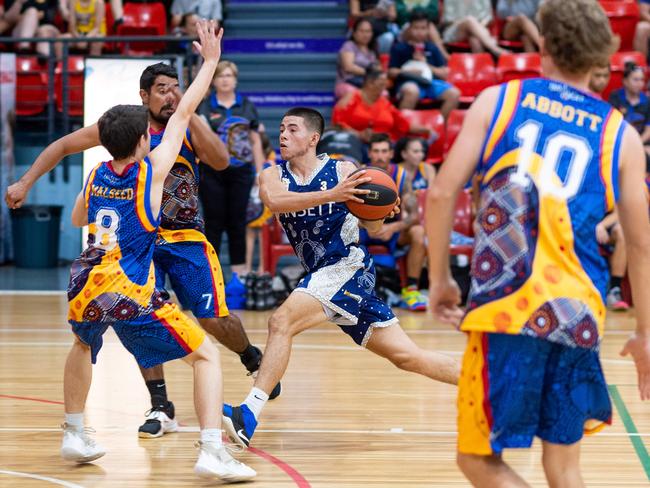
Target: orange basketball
[{"x": 379, "y": 203}]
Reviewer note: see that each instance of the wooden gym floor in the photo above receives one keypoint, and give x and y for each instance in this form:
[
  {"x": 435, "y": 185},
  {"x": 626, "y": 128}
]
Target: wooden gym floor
[{"x": 345, "y": 418}]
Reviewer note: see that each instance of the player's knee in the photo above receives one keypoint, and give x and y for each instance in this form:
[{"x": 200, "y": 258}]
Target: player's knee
[
  {"x": 279, "y": 323},
  {"x": 207, "y": 352}
]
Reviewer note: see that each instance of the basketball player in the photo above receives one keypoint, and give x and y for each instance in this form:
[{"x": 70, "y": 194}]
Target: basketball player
[
  {"x": 307, "y": 194},
  {"x": 182, "y": 250},
  {"x": 112, "y": 282},
  {"x": 551, "y": 160}
]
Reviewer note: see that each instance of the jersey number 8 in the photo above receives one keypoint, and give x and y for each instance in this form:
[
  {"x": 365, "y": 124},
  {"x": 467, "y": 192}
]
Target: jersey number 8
[{"x": 107, "y": 221}]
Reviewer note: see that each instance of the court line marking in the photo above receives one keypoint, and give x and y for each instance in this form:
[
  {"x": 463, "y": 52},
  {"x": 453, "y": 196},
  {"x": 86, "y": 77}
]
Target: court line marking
[
  {"x": 637, "y": 442},
  {"x": 56, "y": 481},
  {"x": 297, "y": 478}
]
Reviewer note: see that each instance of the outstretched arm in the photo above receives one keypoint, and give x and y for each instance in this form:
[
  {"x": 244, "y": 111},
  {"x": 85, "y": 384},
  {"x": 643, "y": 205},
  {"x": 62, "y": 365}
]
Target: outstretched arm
[
  {"x": 279, "y": 200},
  {"x": 79, "y": 140},
  {"x": 164, "y": 156}
]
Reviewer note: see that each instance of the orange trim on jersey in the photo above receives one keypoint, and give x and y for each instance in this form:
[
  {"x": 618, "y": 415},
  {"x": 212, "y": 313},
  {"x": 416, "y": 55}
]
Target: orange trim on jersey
[
  {"x": 506, "y": 113},
  {"x": 181, "y": 160},
  {"x": 89, "y": 183},
  {"x": 141, "y": 194},
  {"x": 186, "y": 142},
  {"x": 185, "y": 331},
  {"x": 607, "y": 144},
  {"x": 218, "y": 290},
  {"x": 181, "y": 235}
]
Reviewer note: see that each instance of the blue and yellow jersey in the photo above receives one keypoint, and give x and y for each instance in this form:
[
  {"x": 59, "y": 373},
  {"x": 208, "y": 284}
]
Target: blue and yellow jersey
[
  {"x": 113, "y": 278},
  {"x": 399, "y": 177},
  {"x": 180, "y": 215},
  {"x": 548, "y": 174},
  {"x": 420, "y": 181}
]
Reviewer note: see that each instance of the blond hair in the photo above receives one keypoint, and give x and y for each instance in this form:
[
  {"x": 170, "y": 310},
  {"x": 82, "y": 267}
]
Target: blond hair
[
  {"x": 577, "y": 34},
  {"x": 224, "y": 65}
]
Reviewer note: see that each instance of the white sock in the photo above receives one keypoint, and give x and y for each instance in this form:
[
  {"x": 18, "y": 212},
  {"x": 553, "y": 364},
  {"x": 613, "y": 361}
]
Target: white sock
[
  {"x": 256, "y": 400},
  {"x": 211, "y": 436},
  {"x": 75, "y": 420}
]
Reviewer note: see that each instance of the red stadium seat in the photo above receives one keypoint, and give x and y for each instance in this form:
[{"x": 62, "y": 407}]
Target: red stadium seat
[
  {"x": 617, "y": 64},
  {"x": 273, "y": 246},
  {"x": 75, "y": 86},
  {"x": 433, "y": 120},
  {"x": 143, "y": 19},
  {"x": 31, "y": 86},
  {"x": 471, "y": 73},
  {"x": 497, "y": 31},
  {"x": 454, "y": 123},
  {"x": 623, "y": 17},
  {"x": 515, "y": 66}
]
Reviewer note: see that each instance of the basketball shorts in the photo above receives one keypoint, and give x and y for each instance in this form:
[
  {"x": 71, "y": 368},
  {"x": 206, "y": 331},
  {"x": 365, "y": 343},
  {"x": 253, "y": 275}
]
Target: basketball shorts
[
  {"x": 164, "y": 335},
  {"x": 513, "y": 388},
  {"x": 346, "y": 289},
  {"x": 195, "y": 275}
]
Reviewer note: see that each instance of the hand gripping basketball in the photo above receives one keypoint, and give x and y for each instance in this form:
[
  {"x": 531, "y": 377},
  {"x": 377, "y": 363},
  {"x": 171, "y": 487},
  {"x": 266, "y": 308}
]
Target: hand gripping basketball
[{"x": 379, "y": 199}]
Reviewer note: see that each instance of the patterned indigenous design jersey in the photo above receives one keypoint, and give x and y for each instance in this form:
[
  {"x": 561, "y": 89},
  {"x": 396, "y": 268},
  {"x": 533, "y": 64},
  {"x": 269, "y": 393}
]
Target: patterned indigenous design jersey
[
  {"x": 113, "y": 278},
  {"x": 420, "y": 181},
  {"x": 548, "y": 174},
  {"x": 180, "y": 215},
  {"x": 325, "y": 234}
]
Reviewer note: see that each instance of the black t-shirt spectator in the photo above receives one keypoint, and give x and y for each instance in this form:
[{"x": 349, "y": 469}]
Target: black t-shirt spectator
[
  {"x": 402, "y": 52},
  {"x": 233, "y": 125},
  {"x": 637, "y": 115}
]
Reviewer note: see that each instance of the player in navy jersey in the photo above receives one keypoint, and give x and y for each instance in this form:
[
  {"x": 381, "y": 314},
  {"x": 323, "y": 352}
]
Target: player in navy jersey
[
  {"x": 549, "y": 161},
  {"x": 307, "y": 193},
  {"x": 112, "y": 282},
  {"x": 182, "y": 250}
]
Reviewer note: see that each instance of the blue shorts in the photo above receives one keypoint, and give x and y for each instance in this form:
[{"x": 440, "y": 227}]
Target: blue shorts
[
  {"x": 513, "y": 388},
  {"x": 434, "y": 90},
  {"x": 346, "y": 289},
  {"x": 164, "y": 335},
  {"x": 195, "y": 275}
]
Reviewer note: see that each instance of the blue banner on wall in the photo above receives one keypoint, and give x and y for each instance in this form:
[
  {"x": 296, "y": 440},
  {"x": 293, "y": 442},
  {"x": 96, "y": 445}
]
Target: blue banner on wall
[
  {"x": 282, "y": 45},
  {"x": 277, "y": 99}
]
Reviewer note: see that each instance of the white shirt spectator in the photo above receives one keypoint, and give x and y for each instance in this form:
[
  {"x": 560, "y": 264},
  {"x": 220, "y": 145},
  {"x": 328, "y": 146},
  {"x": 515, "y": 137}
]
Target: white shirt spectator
[{"x": 205, "y": 9}]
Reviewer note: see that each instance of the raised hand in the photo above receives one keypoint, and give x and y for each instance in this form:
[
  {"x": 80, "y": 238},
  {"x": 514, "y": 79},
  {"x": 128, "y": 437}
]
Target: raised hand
[
  {"x": 347, "y": 189},
  {"x": 209, "y": 45}
]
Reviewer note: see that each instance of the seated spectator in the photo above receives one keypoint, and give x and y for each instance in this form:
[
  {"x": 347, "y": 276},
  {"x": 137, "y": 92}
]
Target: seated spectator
[
  {"x": 642, "y": 31},
  {"x": 430, "y": 7},
  {"x": 36, "y": 20},
  {"x": 341, "y": 144},
  {"x": 599, "y": 79},
  {"x": 355, "y": 55},
  {"x": 610, "y": 236},
  {"x": 85, "y": 19},
  {"x": 205, "y": 9},
  {"x": 367, "y": 111},
  {"x": 633, "y": 103},
  {"x": 9, "y": 15},
  {"x": 419, "y": 69},
  {"x": 404, "y": 229},
  {"x": 410, "y": 154},
  {"x": 520, "y": 22},
  {"x": 465, "y": 21},
  {"x": 381, "y": 15}
]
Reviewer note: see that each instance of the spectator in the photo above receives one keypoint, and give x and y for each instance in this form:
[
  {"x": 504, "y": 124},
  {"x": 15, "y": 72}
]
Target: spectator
[
  {"x": 430, "y": 7},
  {"x": 599, "y": 79},
  {"x": 205, "y": 9},
  {"x": 224, "y": 194},
  {"x": 9, "y": 17},
  {"x": 642, "y": 31},
  {"x": 633, "y": 103},
  {"x": 404, "y": 229},
  {"x": 355, "y": 55},
  {"x": 467, "y": 21},
  {"x": 36, "y": 20},
  {"x": 610, "y": 236},
  {"x": 381, "y": 14},
  {"x": 85, "y": 19},
  {"x": 368, "y": 110},
  {"x": 411, "y": 153},
  {"x": 419, "y": 69},
  {"x": 520, "y": 22}
]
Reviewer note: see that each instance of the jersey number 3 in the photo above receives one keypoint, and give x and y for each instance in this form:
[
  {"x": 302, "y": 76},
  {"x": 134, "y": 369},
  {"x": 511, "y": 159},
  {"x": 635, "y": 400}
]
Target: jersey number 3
[
  {"x": 107, "y": 221},
  {"x": 556, "y": 144}
]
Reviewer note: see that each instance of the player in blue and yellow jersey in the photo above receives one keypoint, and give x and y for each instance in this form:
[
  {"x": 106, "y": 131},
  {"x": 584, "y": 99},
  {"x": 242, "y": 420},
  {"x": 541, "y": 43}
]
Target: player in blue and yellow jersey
[
  {"x": 182, "y": 251},
  {"x": 410, "y": 155},
  {"x": 112, "y": 282},
  {"x": 307, "y": 194},
  {"x": 550, "y": 160},
  {"x": 405, "y": 228}
]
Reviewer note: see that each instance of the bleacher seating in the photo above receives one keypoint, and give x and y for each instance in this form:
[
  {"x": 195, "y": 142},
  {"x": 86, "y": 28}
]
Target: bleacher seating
[
  {"x": 454, "y": 123},
  {"x": 433, "y": 120},
  {"x": 471, "y": 73},
  {"x": 31, "y": 86},
  {"x": 519, "y": 66},
  {"x": 75, "y": 87},
  {"x": 143, "y": 19},
  {"x": 623, "y": 17}
]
